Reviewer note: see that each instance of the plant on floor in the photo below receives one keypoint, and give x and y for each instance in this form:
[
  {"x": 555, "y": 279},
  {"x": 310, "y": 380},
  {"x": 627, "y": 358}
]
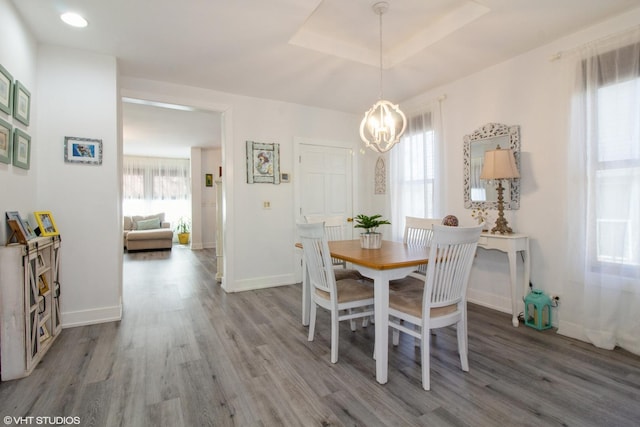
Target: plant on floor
[
  {"x": 183, "y": 229},
  {"x": 370, "y": 223}
]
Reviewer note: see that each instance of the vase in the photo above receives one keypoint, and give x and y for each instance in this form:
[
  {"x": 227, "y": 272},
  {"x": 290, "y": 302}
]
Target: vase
[{"x": 370, "y": 240}]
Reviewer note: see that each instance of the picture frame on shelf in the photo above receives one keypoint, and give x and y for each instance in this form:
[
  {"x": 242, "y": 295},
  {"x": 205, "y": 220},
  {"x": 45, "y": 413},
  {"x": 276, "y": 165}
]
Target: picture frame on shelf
[
  {"x": 263, "y": 163},
  {"x": 21, "y": 149},
  {"x": 21, "y": 230},
  {"x": 46, "y": 223},
  {"x": 21, "y": 103},
  {"x": 43, "y": 286},
  {"x": 82, "y": 150},
  {"x": 6, "y": 144},
  {"x": 44, "y": 333},
  {"x": 6, "y": 91}
]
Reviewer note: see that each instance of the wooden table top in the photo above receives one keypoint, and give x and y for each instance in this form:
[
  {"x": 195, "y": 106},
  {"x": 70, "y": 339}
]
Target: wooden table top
[{"x": 390, "y": 255}]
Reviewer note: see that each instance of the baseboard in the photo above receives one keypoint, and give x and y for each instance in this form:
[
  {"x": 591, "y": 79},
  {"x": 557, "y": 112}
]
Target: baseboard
[
  {"x": 492, "y": 301},
  {"x": 91, "y": 317},
  {"x": 260, "y": 283}
]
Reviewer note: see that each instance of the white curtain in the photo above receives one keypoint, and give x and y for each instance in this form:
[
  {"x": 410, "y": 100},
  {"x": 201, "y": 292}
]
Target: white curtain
[
  {"x": 604, "y": 190},
  {"x": 414, "y": 175},
  {"x": 153, "y": 185}
]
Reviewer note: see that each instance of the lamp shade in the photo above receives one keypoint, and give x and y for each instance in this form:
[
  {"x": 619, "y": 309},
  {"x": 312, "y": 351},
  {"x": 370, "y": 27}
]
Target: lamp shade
[{"x": 499, "y": 164}]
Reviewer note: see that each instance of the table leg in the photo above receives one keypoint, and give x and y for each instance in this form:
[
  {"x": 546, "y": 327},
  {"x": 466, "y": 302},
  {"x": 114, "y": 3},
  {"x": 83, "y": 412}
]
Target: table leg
[
  {"x": 381, "y": 303},
  {"x": 306, "y": 295},
  {"x": 513, "y": 276}
]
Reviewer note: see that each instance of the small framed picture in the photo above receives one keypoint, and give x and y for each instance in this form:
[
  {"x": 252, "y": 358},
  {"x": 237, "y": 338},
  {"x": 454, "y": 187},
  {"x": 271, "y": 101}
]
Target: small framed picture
[
  {"x": 263, "y": 163},
  {"x": 82, "y": 150},
  {"x": 208, "y": 180},
  {"x": 41, "y": 263},
  {"x": 43, "y": 285},
  {"x": 6, "y": 145},
  {"x": 21, "y": 103},
  {"x": 6, "y": 91},
  {"x": 23, "y": 229},
  {"x": 46, "y": 223},
  {"x": 21, "y": 149}
]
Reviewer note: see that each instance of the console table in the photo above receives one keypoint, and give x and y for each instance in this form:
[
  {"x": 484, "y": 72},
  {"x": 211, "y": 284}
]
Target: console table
[{"x": 511, "y": 244}]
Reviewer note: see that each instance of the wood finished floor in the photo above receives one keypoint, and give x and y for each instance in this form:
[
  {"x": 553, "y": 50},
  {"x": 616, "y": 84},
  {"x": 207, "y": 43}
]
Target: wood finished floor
[{"x": 188, "y": 354}]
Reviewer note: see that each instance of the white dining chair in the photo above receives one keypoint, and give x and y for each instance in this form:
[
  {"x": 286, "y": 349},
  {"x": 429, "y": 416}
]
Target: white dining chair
[
  {"x": 346, "y": 299},
  {"x": 334, "y": 229},
  {"x": 417, "y": 232},
  {"x": 443, "y": 301}
]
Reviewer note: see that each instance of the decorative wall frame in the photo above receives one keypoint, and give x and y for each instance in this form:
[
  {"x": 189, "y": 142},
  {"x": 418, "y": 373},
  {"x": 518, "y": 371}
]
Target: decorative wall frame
[
  {"x": 6, "y": 144},
  {"x": 46, "y": 223},
  {"x": 208, "y": 179},
  {"x": 21, "y": 103},
  {"x": 488, "y": 137},
  {"x": 6, "y": 91},
  {"x": 380, "y": 177},
  {"x": 21, "y": 149},
  {"x": 82, "y": 150},
  {"x": 263, "y": 163}
]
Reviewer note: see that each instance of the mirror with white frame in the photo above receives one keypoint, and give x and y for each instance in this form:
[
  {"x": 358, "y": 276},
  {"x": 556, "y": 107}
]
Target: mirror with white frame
[{"x": 482, "y": 193}]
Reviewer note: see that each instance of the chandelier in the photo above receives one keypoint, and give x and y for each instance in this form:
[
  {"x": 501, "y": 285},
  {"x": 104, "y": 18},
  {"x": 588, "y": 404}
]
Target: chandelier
[{"x": 384, "y": 123}]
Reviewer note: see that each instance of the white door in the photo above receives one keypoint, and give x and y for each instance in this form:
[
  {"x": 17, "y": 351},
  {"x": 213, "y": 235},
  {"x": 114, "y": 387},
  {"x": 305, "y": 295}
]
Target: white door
[{"x": 326, "y": 182}]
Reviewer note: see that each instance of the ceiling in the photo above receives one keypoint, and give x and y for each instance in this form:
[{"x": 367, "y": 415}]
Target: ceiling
[{"x": 322, "y": 53}]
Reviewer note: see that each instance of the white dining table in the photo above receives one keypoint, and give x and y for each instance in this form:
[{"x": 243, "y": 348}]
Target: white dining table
[{"x": 394, "y": 260}]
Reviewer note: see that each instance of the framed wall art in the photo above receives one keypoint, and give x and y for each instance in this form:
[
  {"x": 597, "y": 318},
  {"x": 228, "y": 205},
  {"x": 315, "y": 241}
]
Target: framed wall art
[
  {"x": 21, "y": 103},
  {"x": 21, "y": 149},
  {"x": 6, "y": 144},
  {"x": 46, "y": 223},
  {"x": 6, "y": 91},
  {"x": 208, "y": 180},
  {"x": 263, "y": 163},
  {"x": 82, "y": 150}
]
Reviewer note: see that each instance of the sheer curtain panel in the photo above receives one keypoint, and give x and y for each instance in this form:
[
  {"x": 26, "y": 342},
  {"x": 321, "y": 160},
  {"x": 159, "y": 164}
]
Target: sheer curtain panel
[
  {"x": 604, "y": 191},
  {"x": 414, "y": 176},
  {"x": 153, "y": 184}
]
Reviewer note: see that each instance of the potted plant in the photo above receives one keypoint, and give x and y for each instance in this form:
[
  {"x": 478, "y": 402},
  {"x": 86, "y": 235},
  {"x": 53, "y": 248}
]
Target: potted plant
[
  {"x": 184, "y": 230},
  {"x": 370, "y": 239}
]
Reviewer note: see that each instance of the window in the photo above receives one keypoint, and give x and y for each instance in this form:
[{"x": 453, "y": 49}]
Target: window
[
  {"x": 414, "y": 173},
  {"x": 152, "y": 185},
  {"x": 614, "y": 184}
]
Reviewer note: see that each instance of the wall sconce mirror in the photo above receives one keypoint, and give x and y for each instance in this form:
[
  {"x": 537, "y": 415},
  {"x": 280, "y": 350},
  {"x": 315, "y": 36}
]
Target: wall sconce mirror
[{"x": 479, "y": 193}]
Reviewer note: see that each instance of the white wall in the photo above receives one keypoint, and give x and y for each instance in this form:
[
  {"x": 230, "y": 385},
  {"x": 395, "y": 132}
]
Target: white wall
[
  {"x": 531, "y": 91},
  {"x": 18, "y": 55},
  {"x": 78, "y": 96}
]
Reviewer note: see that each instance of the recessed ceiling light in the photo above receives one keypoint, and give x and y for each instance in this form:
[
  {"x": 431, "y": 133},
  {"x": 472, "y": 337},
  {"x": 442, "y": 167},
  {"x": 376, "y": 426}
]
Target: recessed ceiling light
[{"x": 74, "y": 20}]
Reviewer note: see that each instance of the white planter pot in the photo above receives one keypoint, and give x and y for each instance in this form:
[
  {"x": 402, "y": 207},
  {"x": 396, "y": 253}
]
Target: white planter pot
[{"x": 371, "y": 240}]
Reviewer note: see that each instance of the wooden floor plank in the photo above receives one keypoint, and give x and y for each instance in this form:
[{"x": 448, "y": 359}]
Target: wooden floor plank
[{"x": 188, "y": 354}]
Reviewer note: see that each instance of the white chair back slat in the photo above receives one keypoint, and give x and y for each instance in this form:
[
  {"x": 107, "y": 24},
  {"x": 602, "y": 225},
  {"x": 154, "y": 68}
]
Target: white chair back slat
[
  {"x": 333, "y": 228},
  {"x": 315, "y": 250},
  {"x": 450, "y": 259},
  {"x": 418, "y": 232}
]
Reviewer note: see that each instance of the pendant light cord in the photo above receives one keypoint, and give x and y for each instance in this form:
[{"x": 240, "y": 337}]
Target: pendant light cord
[{"x": 380, "y": 12}]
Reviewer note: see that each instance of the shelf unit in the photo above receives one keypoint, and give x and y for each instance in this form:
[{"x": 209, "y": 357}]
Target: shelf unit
[{"x": 30, "y": 318}]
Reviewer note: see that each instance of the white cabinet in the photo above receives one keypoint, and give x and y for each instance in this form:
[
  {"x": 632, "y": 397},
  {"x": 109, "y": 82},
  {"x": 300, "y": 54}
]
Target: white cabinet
[{"x": 30, "y": 318}]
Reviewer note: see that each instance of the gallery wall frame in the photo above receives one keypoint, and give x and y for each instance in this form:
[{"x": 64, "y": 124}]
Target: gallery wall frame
[
  {"x": 6, "y": 91},
  {"x": 6, "y": 143},
  {"x": 21, "y": 149},
  {"x": 82, "y": 150},
  {"x": 263, "y": 163},
  {"x": 21, "y": 103},
  {"x": 46, "y": 223}
]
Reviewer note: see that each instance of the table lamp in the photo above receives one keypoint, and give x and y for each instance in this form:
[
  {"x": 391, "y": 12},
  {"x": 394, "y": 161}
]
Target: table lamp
[{"x": 500, "y": 164}]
